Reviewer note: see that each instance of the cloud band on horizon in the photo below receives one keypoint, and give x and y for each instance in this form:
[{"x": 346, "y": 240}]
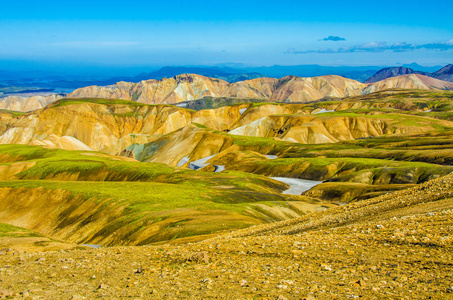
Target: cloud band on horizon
[{"x": 379, "y": 47}]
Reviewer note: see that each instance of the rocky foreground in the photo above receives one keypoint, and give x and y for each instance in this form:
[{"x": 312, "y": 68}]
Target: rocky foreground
[{"x": 397, "y": 246}]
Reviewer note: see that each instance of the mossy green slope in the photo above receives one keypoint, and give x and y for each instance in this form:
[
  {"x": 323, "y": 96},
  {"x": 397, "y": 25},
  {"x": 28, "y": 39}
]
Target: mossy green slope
[
  {"x": 120, "y": 201},
  {"x": 7, "y": 230}
]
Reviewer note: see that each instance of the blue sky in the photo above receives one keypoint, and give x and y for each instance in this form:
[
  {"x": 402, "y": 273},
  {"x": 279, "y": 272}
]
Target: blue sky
[{"x": 141, "y": 33}]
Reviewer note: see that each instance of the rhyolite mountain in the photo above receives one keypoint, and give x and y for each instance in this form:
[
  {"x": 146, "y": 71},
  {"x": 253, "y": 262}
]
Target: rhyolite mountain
[
  {"x": 412, "y": 81},
  {"x": 188, "y": 87},
  {"x": 112, "y": 126},
  {"x": 25, "y": 104}
]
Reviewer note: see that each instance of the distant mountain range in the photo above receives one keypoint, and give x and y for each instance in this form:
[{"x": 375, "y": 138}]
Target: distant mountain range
[
  {"x": 227, "y": 74},
  {"x": 357, "y": 73},
  {"x": 243, "y": 73},
  {"x": 421, "y": 68},
  {"x": 445, "y": 73},
  {"x": 60, "y": 82},
  {"x": 233, "y": 73}
]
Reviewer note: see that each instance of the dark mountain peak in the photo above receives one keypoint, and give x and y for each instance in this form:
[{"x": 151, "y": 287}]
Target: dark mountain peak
[
  {"x": 448, "y": 69},
  {"x": 391, "y": 72},
  {"x": 396, "y": 70},
  {"x": 445, "y": 73}
]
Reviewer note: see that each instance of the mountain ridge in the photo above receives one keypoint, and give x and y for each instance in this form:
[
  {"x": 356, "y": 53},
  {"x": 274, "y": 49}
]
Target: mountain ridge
[
  {"x": 445, "y": 73},
  {"x": 186, "y": 87},
  {"x": 392, "y": 72},
  {"x": 189, "y": 87}
]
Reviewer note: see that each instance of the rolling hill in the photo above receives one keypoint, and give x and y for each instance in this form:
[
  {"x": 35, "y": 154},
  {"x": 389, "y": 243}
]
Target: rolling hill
[{"x": 392, "y": 72}]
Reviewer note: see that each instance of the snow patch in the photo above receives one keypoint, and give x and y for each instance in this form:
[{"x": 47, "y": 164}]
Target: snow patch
[
  {"x": 323, "y": 111},
  {"x": 92, "y": 246},
  {"x": 297, "y": 186},
  {"x": 219, "y": 168},
  {"x": 271, "y": 156},
  {"x": 242, "y": 110},
  {"x": 183, "y": 161},
  {"x": 198, "y": 164}
]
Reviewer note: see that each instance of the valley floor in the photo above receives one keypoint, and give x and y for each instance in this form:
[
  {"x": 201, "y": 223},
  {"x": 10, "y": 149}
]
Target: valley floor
[{"x": 404, "y": 252}]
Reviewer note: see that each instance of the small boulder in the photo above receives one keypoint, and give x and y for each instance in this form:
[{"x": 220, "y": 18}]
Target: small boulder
[{"x": 199, "y": 257}]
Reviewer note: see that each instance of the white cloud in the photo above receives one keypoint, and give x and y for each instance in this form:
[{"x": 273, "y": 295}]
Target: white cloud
[{"x": 379, "y": 47}]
